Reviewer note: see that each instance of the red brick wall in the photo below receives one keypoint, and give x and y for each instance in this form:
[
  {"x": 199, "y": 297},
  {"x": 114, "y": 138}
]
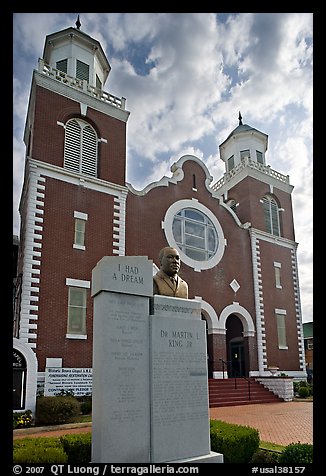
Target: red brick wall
[
  {"x": 48, "y": 136},
  {"x": 60, "y": 261},
  {"x": 248, "y": 194},
  {"x": 144, "y": 236},
  {"x": 275, "y": 298}
]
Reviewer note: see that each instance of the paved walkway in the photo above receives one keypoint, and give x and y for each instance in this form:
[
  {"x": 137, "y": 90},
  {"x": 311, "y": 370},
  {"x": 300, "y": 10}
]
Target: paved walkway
[{"x": 280, "y": 423}]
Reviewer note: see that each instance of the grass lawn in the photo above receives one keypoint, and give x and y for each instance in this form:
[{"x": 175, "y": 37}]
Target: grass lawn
[
  {"x": 81, "y": 419},
  {"x": 267, "y": 445}
]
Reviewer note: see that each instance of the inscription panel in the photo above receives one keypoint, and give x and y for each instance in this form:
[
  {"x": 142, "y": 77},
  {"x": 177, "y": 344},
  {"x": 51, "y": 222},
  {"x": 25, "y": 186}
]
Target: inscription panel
[
  {"x": 179, "y": 386},
  {"x": 120, "y": 379},
  {"x": 123, "y": 274}
]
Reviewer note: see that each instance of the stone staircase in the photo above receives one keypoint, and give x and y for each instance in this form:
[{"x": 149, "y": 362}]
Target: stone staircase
[{"x": 227, "y": 392}]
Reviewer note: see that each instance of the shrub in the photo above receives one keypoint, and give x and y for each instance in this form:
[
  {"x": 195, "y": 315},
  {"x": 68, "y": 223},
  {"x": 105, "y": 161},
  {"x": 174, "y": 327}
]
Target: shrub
[
  {"x": 303, "y": 392},
  {"x": 78, "y": 448},
  {"x": 39, "y": 450},
  {"x": 297, "y": 453},
  {"x": 40, "y": 455},
  {"x": 56, "y": 410},
  {"x": 86, "y": 407},
  {"x": 302, "y": 384},
  {"x": 22, "y": 419},
  {"x": 237, "y": 443},
  {"x": 265, "y": 456}
]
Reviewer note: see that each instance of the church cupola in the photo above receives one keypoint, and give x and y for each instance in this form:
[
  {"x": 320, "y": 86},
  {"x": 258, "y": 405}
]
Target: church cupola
[
  {"x": 244, "y": 143},
  {"x": 77, "y": 55}
]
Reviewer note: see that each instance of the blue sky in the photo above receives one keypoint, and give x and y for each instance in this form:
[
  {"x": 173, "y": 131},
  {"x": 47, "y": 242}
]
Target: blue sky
[{"x": 186, "y": 76}]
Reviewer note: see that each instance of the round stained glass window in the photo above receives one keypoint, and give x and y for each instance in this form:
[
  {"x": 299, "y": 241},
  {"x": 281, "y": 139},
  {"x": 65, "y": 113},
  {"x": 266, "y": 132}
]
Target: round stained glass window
[
  {"x": 195, "y": 231},
  {"x": 195, "y": 234}
]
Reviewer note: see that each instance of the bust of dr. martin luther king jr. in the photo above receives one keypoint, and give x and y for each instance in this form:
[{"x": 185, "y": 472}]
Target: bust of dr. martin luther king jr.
[{"x": 166, "y": 281}]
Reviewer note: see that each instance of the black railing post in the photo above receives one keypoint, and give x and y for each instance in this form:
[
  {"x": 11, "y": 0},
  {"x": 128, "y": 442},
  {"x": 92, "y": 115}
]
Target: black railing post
[{"x": 225, "y": 363}]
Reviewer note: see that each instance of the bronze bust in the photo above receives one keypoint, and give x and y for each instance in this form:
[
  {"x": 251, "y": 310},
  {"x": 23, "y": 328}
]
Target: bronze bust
[{"x": 166, "y": 281}]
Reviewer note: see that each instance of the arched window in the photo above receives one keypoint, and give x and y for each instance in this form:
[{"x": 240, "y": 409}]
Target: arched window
[
  {"x": 80, "y": 152},
  {"x": 272, "y": 216}
]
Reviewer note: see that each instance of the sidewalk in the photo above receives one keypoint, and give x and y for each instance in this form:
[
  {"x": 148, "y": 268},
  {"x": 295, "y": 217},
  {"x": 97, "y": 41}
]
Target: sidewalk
[{"x": 280, "y": 423}]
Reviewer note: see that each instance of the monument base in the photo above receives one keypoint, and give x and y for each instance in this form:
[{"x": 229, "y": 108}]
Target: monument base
[{"x": 212, "y": 457}]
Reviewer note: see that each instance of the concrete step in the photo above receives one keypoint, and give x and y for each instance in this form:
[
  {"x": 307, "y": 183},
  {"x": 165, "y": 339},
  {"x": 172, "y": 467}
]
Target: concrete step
[{"x": 223, "y": 392}]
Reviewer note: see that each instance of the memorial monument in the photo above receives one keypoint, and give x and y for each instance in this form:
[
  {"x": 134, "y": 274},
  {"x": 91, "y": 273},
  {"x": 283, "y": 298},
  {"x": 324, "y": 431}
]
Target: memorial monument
[{"x": 150, "y": 383}]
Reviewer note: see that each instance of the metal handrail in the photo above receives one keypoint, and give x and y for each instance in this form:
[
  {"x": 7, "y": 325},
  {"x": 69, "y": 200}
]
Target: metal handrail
[{"x": 225, "y": 363}]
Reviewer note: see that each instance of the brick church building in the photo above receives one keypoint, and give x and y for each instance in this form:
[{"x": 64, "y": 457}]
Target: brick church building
[{"x": 235, "y": 237}]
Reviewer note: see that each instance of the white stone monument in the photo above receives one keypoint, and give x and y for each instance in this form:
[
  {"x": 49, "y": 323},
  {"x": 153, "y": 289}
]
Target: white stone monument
[{"x": 150, "y": 383}]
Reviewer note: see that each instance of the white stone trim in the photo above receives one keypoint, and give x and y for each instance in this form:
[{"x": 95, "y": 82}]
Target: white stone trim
[
  {"x": 178, "y": 175},
  {"x": 280, "y": 311},
  {"x": 76, "y": 336},
  {"x": 233, "y": 214},
  {"x": 259, "y": 303},
  {"x": 81, "y": 215},
  {"x": 32, "y": 197},
  {"x": 282, "y": 387},
  {"x": 119, "y": 224},
  {"x": 79, "y": 247},
  {"x": 167, "y": 226},
  {"x": 31, "y": 373},
  {"x": 79, "y": 96},
  {"x": 89, "y": 182},
  {"x": 53, "y": 362},
  {"x": 212, "y": 318},
  {"x": 244, "y": 316},
  {"x": 79, "y": 283},
  {"x": 83, "y": 109},
  {"x": 296, "y": 287}
]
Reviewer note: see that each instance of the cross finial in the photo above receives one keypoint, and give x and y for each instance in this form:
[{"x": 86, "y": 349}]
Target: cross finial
[
  {"x": 240, "y": 119},
  {"x": 78, "y": 24}
]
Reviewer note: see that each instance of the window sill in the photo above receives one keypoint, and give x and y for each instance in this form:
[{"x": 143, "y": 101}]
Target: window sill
[
  {"x": 76, "y": 336},
  {"x": 79, "y": 247}
]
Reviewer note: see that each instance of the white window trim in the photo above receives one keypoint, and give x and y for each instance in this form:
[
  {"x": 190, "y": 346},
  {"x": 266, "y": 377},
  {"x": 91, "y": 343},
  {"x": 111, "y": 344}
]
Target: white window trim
[
  {"x": 281, "y": 312},
  {"x": 79, "y": 247},
  {"x": 167, "y": 226},
  {"x": 76, "y": 336},
  {"x": 81, "y": 215},
  {"x": 78, "y": 283},
  {"x": 279, "y": 266}
]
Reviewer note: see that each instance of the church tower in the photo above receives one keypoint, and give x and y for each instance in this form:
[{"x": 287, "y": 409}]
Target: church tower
[
  {"x": 73, "y": 201},
  {"x": 260, "y": 198}
]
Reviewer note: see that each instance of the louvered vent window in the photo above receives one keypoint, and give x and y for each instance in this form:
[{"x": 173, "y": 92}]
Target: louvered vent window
[
  {"x": 271, "y": 213},
  {"x": 80, "y": 148},
  {"x": 82, "y": 70},
  {"x": 62, "y": 65}
]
